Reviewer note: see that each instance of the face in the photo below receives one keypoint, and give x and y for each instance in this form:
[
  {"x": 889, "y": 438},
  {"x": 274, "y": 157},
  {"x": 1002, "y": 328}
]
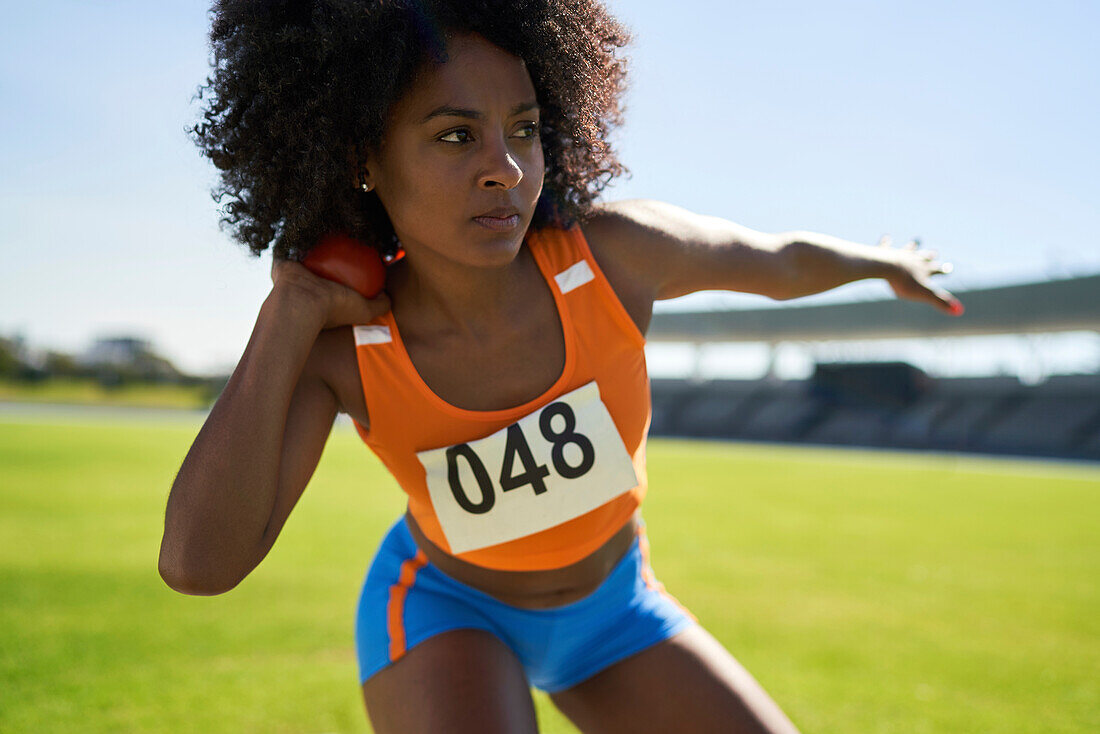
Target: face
[{"x": 460, "y": 166}]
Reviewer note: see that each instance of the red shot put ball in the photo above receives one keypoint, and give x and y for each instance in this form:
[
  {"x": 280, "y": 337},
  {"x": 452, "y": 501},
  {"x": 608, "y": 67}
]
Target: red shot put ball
[{"x": 341, "y": 258}]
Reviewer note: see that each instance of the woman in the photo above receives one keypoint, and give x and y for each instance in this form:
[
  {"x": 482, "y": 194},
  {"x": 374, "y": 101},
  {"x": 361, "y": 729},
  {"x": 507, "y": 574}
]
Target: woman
[{"x": 501, "y": 379}]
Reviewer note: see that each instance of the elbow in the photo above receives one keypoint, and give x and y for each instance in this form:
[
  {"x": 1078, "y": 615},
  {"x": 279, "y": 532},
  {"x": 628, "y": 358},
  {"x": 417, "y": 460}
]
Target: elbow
[
  {"x": 193, "y": 579},
  {"x": 193, "y": 585},
  {"x": 793, "y": 267}
]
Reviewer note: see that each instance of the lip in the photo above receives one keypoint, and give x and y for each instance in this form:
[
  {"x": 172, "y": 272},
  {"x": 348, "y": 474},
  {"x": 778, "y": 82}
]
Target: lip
[{"x": 499, "y": 219}]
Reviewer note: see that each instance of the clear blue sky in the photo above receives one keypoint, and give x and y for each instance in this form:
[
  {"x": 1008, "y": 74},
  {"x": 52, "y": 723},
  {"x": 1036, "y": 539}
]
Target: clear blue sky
[{"x": 970, "y": 124}]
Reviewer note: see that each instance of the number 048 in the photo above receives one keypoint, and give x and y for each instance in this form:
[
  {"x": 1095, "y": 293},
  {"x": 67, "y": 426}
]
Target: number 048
[{"x": 517, "y": 448}]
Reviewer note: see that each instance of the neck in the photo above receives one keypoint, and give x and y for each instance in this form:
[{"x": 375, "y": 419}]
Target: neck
[{"x": 441, "y": 294}]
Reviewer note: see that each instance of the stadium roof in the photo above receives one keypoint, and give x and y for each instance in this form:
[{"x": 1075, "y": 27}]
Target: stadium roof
[{"x": 1056, "y": 305}]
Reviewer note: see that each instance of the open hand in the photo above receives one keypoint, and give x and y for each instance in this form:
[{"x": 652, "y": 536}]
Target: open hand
[{"x": 912, "y": 275}]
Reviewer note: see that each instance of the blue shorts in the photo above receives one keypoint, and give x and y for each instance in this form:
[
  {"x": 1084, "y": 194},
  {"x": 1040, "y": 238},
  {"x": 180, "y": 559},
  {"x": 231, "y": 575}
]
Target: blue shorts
[{"x": 405, "y": 600}]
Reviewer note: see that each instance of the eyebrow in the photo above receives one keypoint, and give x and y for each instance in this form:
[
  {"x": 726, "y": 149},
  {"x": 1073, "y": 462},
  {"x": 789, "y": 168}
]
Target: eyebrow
[{"x": 449, "y": 111}]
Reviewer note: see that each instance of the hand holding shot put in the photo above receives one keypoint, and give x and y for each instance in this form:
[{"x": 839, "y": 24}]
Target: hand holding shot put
[{"x": 342, "y": 281}]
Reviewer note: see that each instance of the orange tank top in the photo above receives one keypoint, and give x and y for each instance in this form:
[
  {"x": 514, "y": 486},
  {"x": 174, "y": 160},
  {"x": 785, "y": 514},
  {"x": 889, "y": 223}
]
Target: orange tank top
[{"x": 538, "y": 486}]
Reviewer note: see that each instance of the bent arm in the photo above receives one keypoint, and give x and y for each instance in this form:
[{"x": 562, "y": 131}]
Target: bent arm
[
  {"x": 253, "y": 456},
  {"x": 672, "y": 252}
]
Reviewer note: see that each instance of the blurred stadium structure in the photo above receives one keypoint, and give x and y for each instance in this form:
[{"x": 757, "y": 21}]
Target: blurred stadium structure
[{"x": 892, "y": 404}]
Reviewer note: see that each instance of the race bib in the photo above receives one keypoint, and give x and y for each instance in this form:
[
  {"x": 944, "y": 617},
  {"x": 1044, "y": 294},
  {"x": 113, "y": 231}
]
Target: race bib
[{"x": 557, "y": 463}]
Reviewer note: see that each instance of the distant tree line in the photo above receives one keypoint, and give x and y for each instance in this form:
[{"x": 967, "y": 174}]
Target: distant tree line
[{"x": 140, "y": 365}]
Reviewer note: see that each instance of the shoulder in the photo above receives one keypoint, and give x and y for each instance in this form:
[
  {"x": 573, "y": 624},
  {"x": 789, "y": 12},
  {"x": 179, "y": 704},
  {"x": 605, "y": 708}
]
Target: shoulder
[
  {"x": 641, "y": 240},
  {"x": 619, "y": 238},
  {"x": 634, "y": 224},
  {"x": 621, "y": 228},
  {"x": 640, "y": 245},
  {"x": 642, "y": 237}
]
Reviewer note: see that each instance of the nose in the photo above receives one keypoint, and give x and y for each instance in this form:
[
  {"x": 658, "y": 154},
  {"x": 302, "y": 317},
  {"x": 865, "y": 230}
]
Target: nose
[{"x": 500, "y": 168}]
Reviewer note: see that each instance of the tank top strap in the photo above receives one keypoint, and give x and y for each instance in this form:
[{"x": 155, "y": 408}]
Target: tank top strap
[
  {"x": 567, "y": 261},
  {"x": 382, "y": 373}
]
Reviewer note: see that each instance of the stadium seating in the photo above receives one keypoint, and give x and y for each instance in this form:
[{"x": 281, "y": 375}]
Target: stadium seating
[
  {"x": 668, "y": 400},
  {"x": 1055, "y": 417},
  {"x": 978, "y": 403},
  {"x": 1089, "y": 448},
  {"x": 915, "y": 425},
  {"x": 868, "y": 407},
  {"x": 784, "y": 412},
  {"x": 862, "y": 400},
  {"x": 720, "y": 410},
  {"x": 854, "y": 426}
]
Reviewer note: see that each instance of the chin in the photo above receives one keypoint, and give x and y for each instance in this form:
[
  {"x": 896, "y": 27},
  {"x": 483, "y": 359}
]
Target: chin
[
  {"x": 498, "y": 252},
  {"x": 495, "y": 249}
]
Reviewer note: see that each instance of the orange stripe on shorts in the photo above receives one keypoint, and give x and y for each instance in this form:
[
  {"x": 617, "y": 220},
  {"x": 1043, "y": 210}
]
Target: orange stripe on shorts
[
  {"x": 395, "y": 609},
  {"x": 651, "y": 581}
]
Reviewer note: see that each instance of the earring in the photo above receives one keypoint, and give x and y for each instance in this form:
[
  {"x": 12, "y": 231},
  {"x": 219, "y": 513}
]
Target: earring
[
  {"x": 394, "y": 252},
  {"x": 363, "y": 182}
]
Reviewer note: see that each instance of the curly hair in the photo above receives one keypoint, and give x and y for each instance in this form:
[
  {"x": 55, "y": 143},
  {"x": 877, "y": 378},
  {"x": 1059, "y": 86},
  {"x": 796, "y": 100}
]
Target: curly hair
[{"x": 297, "y": 85}]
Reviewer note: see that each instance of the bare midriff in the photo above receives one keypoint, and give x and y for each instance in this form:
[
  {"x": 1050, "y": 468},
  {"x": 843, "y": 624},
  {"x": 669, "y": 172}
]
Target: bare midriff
[{"x": 533, "y": 589}]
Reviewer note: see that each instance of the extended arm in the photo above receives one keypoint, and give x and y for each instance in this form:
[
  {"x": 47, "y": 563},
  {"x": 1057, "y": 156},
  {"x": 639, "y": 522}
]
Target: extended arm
[{"x": 672, "y": 252}]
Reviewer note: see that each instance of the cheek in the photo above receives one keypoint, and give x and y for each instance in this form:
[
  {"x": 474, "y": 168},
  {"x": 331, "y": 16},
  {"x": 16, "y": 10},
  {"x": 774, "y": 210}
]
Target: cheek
[
  {"x": 534, "y": 172},
  {"x": 414, "y": 193}
]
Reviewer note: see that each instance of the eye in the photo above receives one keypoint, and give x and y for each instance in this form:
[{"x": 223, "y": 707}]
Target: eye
[
  {"x": 529, "y": 130},
  {"x": 456, "y": 136}
]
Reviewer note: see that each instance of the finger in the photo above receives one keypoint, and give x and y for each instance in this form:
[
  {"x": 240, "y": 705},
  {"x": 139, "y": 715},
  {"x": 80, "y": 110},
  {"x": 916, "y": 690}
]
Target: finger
[
  {"x": 884, "y": 240},
  {"x": 945, "y": 268},
  {"x": 929, "y": 254},
  {"x": 912, "y": 245},
  {"x": 954, "y": 305},
  {"x": 919, "y": 289},
  {"x": 362, "y": 311},
  {"x": 380, "y": 304},
  {"x": 946, "y": 301}
]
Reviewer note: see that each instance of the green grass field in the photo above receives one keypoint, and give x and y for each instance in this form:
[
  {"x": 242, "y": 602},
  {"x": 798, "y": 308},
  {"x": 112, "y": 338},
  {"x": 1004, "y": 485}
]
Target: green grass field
[
  {"x": 71, "y": 391},
  {"x": 868, "y": 592}
]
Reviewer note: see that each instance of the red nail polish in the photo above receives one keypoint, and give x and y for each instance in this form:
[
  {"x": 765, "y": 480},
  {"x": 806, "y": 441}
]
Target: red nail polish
[{"x": 957, "y": 308}]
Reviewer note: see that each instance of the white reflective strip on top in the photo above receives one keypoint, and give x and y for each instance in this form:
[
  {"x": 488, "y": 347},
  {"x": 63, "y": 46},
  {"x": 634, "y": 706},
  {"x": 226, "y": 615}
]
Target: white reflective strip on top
[
  {"x": 372, "y": 335},
  {"x": 574, "y": 276}
]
